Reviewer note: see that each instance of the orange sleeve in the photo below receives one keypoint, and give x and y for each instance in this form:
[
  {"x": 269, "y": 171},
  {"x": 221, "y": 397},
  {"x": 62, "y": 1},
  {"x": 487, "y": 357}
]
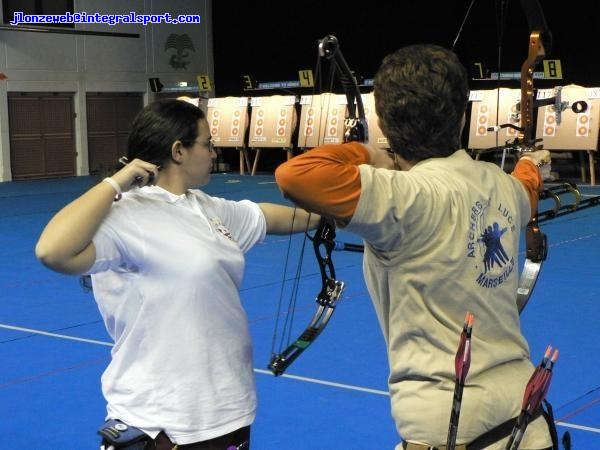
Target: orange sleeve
[
  {"x": 528, "y": 173},
  {"x": 325, "y": 180}
]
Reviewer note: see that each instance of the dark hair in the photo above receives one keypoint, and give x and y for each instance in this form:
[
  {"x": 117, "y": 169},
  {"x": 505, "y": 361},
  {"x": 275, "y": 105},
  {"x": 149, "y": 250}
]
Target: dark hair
[
  {"x": 421, "y": 94},
  {"x": 158, "y": 125}
]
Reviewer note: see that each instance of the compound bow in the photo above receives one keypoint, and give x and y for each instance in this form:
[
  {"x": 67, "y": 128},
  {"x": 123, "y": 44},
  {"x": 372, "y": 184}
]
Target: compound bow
[{"x": 355, "y": 129}]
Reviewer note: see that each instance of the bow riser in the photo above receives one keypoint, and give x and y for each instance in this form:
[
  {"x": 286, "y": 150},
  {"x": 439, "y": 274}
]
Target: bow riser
[{"x": 535, "y": 55}]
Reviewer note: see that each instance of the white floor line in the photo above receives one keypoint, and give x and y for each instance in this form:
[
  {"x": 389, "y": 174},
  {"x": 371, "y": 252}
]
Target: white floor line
[
  {"x": 56, "y": 335},
  {"x": 327, "y": 383},
  {"x": 578, "y": 427},
  {"x": 262, "y": 371}
]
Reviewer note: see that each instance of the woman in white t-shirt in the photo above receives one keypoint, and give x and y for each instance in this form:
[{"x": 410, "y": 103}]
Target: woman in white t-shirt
[{"x": 166, "y": 262}]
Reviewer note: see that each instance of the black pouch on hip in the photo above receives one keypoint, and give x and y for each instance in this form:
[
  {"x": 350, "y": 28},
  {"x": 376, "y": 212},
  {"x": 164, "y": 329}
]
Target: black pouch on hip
[{"x": 117, "y": 435}]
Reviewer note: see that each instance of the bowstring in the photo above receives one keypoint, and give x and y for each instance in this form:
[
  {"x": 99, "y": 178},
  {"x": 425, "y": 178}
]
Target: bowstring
[
  {"x": 501, "y": 6},
  {"x": 291, "y": 305},
  {"x": 462, "y": 25}
]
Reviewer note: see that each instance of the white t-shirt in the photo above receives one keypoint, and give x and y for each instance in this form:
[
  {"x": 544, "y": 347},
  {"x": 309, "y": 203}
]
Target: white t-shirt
[
  {"x": 441, "y": 240},
  {"x": 166, "y": 279}
]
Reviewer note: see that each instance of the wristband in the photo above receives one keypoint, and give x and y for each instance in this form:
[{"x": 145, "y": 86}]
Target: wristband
[{"x": 115, "y": 186}]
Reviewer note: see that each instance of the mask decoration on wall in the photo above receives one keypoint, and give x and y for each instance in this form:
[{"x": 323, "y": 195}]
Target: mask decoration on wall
[{"x": 181, "y": 43}]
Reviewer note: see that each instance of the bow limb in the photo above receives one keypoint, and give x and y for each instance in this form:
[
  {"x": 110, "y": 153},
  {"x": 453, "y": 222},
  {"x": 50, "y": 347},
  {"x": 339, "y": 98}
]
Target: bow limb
[
  {"x": 324, "y": 238},
  {"x": 331, "y": 291},
  {"x": 540, "y": 42},
  {"x": 355, "y": 124},
  {"x": 535, "y": 241}
]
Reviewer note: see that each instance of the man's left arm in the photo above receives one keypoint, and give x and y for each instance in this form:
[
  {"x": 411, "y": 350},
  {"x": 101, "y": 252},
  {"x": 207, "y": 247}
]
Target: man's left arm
[{"x": 528, "y": 173}]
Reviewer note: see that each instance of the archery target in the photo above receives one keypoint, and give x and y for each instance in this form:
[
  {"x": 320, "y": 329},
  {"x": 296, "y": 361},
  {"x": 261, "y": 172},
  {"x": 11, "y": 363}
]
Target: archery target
[
  {"x": 376, "y": 137},
  {"x": 272, "y": 122},
  {"x": 513, "y": 118},
  {"x": 549, "y": 121},
  {"x": 483, "y": 119},
  {"x": 319, "y": 119},
  {"x": 566, "y": 129},
  {"x": 228, "y": 120},
  {"x": 582, "y": 127},
  {"x": 334, "y": 129},
  {"x": 491, "y": 108}
]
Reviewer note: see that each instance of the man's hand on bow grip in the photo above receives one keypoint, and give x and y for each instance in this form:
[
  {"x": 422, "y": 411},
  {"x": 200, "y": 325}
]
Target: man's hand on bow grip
[{"x": 380, "y": 157}]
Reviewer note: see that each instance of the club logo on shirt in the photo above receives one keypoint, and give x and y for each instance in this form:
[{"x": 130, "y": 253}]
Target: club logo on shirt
[
  {"x": 218, "y": 225},
  {"x": 485, "y": 243}
]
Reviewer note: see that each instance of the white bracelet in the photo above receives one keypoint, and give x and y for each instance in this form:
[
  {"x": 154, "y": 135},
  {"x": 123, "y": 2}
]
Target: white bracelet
[{"x": 115, "y": 186}]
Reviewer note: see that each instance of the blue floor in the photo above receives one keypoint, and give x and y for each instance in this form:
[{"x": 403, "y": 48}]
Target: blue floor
[{"x": 53, "y": 346}]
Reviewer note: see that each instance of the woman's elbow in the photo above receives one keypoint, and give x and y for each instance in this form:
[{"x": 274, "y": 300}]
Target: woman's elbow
[
  {"x": 47, "y": 257},
  {"x": 54, "y": 260},
  {"x": 43, "y": 254}
]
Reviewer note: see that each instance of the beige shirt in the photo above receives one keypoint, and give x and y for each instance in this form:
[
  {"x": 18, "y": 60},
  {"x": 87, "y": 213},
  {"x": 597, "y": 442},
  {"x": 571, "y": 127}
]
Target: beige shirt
[{"x": 442, "y": 240}]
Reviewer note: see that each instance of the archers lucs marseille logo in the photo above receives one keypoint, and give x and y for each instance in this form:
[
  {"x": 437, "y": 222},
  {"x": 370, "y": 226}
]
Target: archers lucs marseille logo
[{"x": 485, "y": 244}]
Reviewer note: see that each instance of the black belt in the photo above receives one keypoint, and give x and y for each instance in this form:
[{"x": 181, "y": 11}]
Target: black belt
[
  {"x": 236, "y": 440},
  {"x": 489, "y": 437},
  {"x": 413, "y": 446}
]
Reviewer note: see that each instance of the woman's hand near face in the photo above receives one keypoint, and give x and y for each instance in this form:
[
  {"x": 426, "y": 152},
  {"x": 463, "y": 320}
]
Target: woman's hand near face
[{"x": 136, "y": 173}]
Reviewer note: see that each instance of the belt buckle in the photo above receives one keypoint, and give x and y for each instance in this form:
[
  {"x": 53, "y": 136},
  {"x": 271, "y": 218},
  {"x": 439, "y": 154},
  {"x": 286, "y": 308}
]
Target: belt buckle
[{"x": 413, "y": 446}]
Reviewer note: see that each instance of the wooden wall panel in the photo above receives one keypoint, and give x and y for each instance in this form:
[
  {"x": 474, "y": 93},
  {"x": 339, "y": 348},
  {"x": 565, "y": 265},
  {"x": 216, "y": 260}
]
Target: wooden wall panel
[{"x": 42, "y": 137}]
